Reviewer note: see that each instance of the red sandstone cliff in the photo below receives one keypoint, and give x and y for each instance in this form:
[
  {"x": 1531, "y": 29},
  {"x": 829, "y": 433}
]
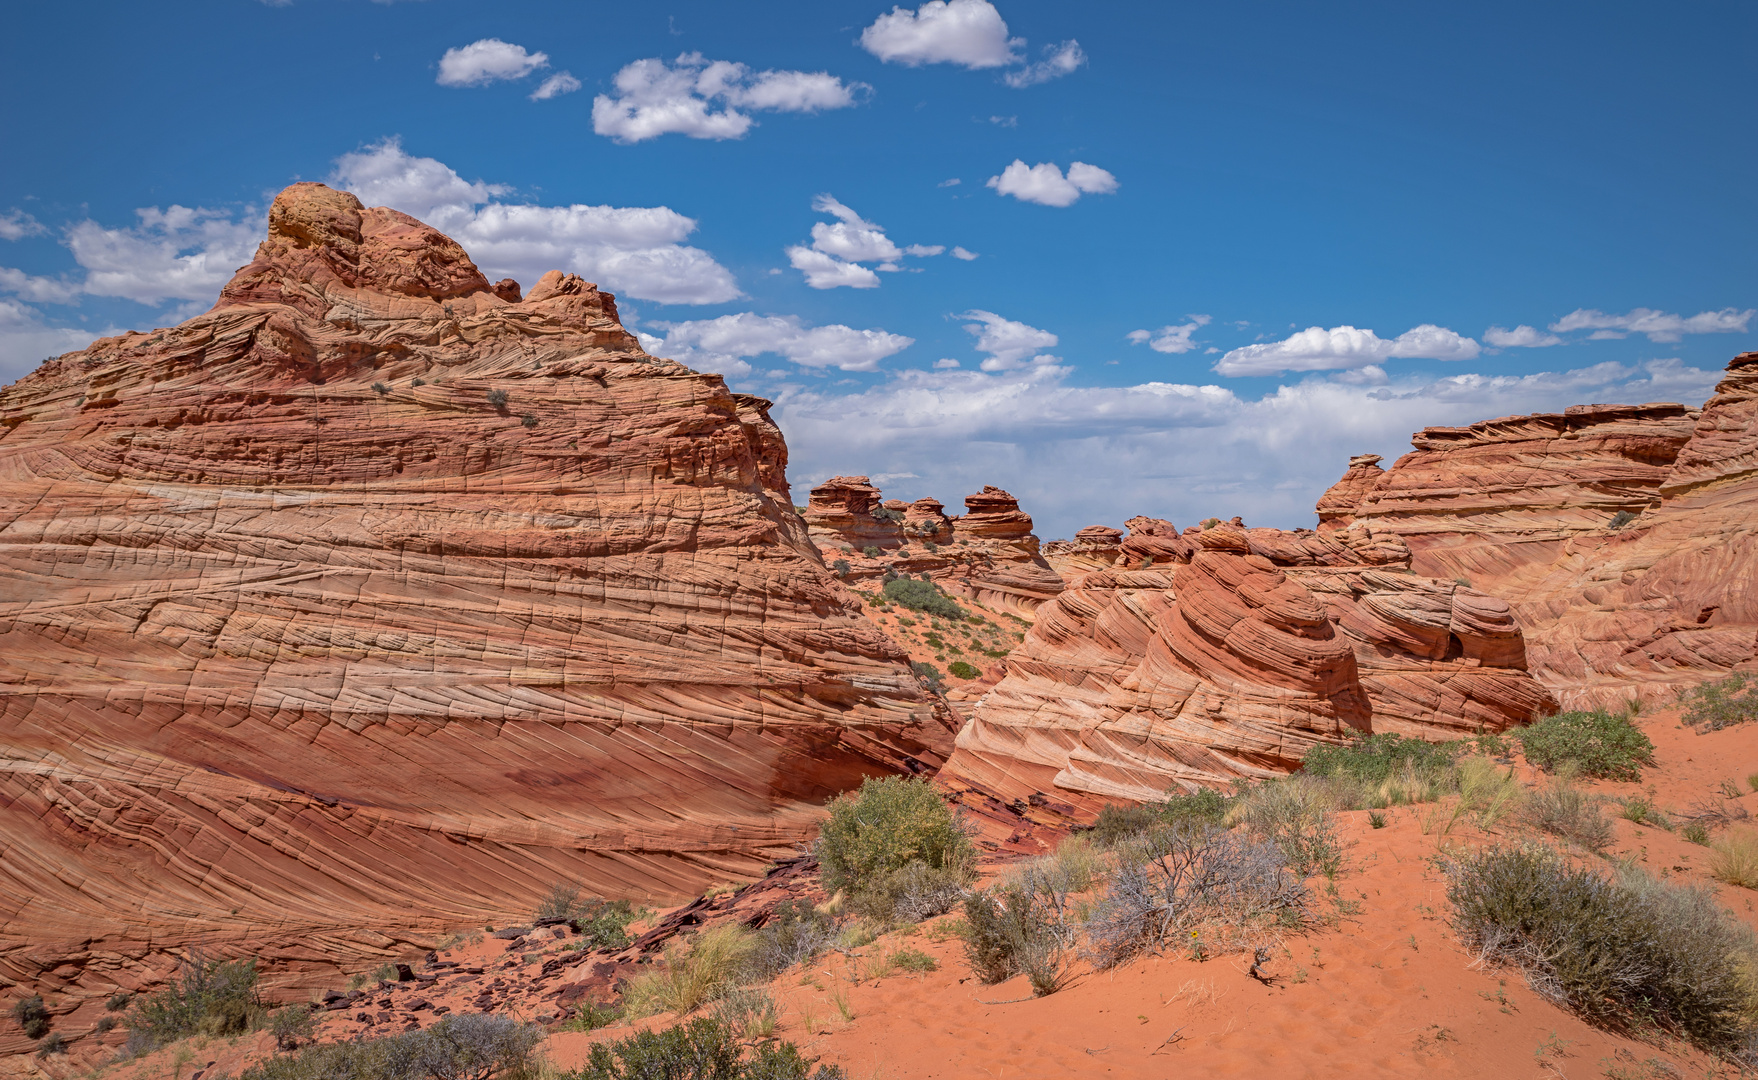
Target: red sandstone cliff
[
  {"x": 377, "y": 599},
  {"x": 1625, "y": 537}
]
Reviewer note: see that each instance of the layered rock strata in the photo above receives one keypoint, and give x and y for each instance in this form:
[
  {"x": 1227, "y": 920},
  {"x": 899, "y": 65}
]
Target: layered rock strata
[
  {"x": 1625, "y": 537},
  {"x": 988, "y": 554},
  {"x": 378, "y": 598},
  {"x": 1231, "y": 654}
]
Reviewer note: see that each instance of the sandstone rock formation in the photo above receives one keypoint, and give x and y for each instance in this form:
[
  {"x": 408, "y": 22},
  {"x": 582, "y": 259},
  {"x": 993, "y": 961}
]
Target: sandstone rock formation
[
  {"x": 1230, "y": 655},
  {"x": 988, "y": 554},
  {"x": 377, "y": 599},
  {"x": 1625, "y": 537},
  {"x": 1096, "y": 547}
]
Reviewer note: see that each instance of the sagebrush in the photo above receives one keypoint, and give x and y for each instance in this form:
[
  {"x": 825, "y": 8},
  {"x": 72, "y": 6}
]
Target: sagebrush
[
  {"x": 896, "y": 849},
  {"x": 469, "y": 1046}
]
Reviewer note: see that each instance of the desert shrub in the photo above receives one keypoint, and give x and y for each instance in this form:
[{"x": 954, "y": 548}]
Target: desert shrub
[
  {"x": 1563, "y": 809},
  {"x": 871, "y": 551},
  {"x": 1604, "y": 745},
  {"x": 417, "y": 382},
  {"x": 1696, "y": 832},
  {"x": 750, "y": 1012},
  {"x": 208, "y": 997},
  {"x": 497, "y": 398},
  {"x": 1625, "y": 951},
  {"x": 529, "y": 420},
  {"x": 54, "y": 1044},
  {"x": 929, "y": 674},
  {"x": 1118, "y": 823},
  {"x": 911, "y": 893},
  {"x": 795, "y": 933},
  {"x": 1716, "y": 705},
  {"x": 1642, "y": 811},
  {"x": 922, "y": 595},
  {"x": 291, "y": 1026},
  {"x": 881, "y": 513},
  {"x": 591, "y": 1016},
  {"x": 602, "y": 924},
  {"x": 914, "y": 961},
  {"x": 105, "y": 1023},
  {"x": 1175, "y": 880},
  {"x": 1014, "y": 928},
  {"x": 380, "y": 389},
  {"x": 693, "y": 975},
  {"x": 1620, "y": 519},
  {"x": 1374, "y": 759},
  {"x": 703, "y": 1049},
  {"x": 958, "y": 669},
  {"x": 119, "y": 1001},
  {"x": 1734, "y": 859},
  {"x": 875, "y": 835},
  {"x": 469, "y": 1046},
  {"x": 32, "y": 1016},
  {"x": 841, "y": 567},
  {"x": 1295, "y": 815}
]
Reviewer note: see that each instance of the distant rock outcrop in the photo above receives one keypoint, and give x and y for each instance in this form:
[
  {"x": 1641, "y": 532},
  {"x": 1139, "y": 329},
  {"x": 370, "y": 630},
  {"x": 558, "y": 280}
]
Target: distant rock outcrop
[
  {"x": 377, "y": 599},
  {"x": 1231, "y": 653},
  {"x": 1624, "y": 537},
  {"x": 988, "y": 554}
]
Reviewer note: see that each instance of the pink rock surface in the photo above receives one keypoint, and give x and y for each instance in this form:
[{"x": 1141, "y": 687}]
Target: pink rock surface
[{"x": 313, "y": 644}]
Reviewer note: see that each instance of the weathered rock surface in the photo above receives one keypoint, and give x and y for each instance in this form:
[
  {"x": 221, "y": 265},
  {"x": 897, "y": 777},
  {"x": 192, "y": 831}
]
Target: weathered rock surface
[
  {"x": 1232, "y": 654},
  {"x": 988, "y": 554},
  {"x": 376, "y": 599},
  {"x": 1624, "y": 537},
  {"x": 1096, "y": 547}
]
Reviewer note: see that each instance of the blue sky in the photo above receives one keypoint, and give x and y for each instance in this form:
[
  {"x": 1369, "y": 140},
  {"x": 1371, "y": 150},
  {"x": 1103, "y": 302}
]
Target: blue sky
[{"x": 1240, "y": 242}]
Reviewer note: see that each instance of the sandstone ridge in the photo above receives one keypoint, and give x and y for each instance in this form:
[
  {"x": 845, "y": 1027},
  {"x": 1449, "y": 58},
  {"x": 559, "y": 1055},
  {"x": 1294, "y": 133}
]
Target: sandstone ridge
[{"x": 380, "y": 597}]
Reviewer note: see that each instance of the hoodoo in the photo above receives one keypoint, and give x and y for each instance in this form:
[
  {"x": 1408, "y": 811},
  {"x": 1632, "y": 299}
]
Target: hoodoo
[{"x": 379, "y": 598}]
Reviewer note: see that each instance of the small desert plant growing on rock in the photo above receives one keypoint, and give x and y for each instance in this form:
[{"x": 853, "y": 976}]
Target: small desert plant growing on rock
[
  {"x": 841, "y": 567},
  {"x": 470, "y": 1046},
  {"x": 1625, "y": 951},
  {"x": 703, "y": 1049},
  {"x": 1716, "y": 705},
  {"x": 958, "y": 669},
  {"x": 380, "y": 389},
  {"x": 895, "y": 840},
  {"x": 497, "y": 398},
  {"x": 871, "y": 551},
  {"x": 928, "y": 673},
  {"x": 1620, "y": 519},
  {"x": 529, "y": 420},
  {"x": 32, "y": 1016},
  {"x": 1604, "y": 745},
  {"x": 602, "y": 924}
]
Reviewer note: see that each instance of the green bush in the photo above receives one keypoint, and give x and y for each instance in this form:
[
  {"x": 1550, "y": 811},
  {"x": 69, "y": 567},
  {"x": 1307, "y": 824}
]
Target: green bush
[
  {"x": 1295, "y": 815},
  {"x": 1627, "y": 952},
  {"x": 929, "y": 674},
  {"x": 497, "y": 398},
  {"x": 32, "y": 1016},
  {"x": 469, "y": 1046},
  {"x": 841, "y": 567},
  {"x": 1716, "y": 705},
  {"x": 1374, "y": 759},
  {"x": 602, "y": 924},
  {"x": 795, "y": 933},
  {"x": 292, "y": 1025},
  {"x": 119, "y": 1001},
  {"x": 871, "y": 551},
  {"x": 703, "y": 1049},
  {"x": 1607, "y": 746},
  {"x": 881, "y": 513},
  {"x": 922, "y": 595},
  {"x": 958, "y": 669},
  {"x": 54, "y": 1044},
  {"x": 208, "y": 997},
  {"x": 1118, "y": 823},
  {"x": 875, "y": 836},
  {"x": 703, "y": 969}
]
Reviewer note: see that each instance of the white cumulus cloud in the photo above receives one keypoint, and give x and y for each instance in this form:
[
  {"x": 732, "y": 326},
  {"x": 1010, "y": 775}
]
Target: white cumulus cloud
[
  {"x": 26, "y": 339},
  {"x": 1083, "y": 455},
  {"x": 839, "y": 247},
  {"x": 970, "y": 33},
  {"x": 177, "y": 253},
  {"x": 1170, "y": 339},
  {"x": 1045, "y": 184},
  {"x": 1059, "y": 60},
  {"x": 555, "y": 86},
  {"x": 1318, "y": 349},
  {"x": 702, "y": 99},
  {"x": 488, "y": 60},
  {"x": 15, "y": 224},
  {"x": 722, "y": 344},
  {"x": 1658, "y": 325},
  {"x": 632, "y": 251},
  {"x": 1520, "y": 337},
  {"x": 1009, "y": 344},
  {"x": 961, "y": 253}
]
